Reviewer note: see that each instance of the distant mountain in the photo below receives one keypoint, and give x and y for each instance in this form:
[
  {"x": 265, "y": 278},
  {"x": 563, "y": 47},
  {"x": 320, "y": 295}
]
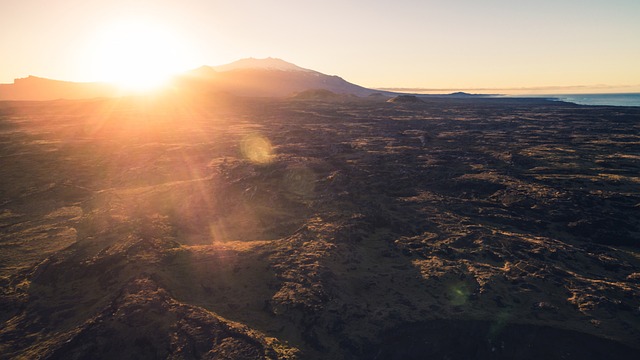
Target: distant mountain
[
  {"x": 247, "y": 77},
  {"x": 462, "y": 94},
  {"x": 37, "y": 88},
  {"x": 265, "y": 78}
]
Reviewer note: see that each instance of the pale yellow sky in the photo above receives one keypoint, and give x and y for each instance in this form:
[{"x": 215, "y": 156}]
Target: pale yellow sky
[{"x": 575, "y": 45}]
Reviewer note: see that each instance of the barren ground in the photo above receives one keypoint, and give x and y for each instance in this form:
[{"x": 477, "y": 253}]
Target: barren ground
[{"x": 283, "y": 229}]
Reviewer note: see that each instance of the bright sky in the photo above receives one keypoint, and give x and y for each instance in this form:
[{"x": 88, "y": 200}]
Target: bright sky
[{"x": 438, "y": 44}]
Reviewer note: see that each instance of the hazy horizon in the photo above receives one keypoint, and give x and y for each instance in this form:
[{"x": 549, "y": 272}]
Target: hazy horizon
[
  {"x": 549, "y": 46},
  {"x": 515, "y": 91}
]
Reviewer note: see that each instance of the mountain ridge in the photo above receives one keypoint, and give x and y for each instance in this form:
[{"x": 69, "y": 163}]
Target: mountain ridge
[{"x": 268, "y": 77}]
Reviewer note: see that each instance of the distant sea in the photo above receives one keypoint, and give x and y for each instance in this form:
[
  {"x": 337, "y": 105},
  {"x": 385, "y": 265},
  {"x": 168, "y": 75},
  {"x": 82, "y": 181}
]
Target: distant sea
[{"x": 625, "y": 99}]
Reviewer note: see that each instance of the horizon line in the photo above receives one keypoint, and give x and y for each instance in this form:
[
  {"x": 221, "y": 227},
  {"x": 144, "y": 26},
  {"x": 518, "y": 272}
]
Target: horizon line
[{"x": 636, "y": 88}]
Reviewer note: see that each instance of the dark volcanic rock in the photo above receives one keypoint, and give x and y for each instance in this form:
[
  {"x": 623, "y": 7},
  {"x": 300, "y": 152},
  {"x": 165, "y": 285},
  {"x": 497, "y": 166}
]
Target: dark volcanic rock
[
  {"x": 405, "y": 99},
  {"x": 450, "y": 339},
  {"x": 145, "y": 323},
  {"x": 233, "y": 227}
]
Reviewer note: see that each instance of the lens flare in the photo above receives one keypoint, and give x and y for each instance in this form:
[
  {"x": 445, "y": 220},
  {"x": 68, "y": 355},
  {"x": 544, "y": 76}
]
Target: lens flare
[
  {"x": 459, "y": 294},
  {"x": 300, "y": 181},
  {"x": 257, "y": 149}
]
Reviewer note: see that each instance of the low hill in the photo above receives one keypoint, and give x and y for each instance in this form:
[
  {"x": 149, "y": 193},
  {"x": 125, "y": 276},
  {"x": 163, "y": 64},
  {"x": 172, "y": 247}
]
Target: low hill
[{"x": 405, "y": 99}]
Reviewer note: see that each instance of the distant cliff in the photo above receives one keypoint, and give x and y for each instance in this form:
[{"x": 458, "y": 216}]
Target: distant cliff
[{"x": 36, "y": 88}]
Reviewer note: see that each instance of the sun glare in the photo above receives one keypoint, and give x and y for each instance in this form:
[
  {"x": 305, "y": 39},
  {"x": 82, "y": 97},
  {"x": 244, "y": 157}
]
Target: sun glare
[{"x": 138, "y": 56}]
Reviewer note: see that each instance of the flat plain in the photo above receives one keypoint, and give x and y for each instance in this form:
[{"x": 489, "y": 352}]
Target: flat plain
[{"x": 316, "y": 228}]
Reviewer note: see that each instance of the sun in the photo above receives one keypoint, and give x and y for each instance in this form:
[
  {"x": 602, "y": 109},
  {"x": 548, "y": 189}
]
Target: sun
[{"x": 138, "y": 55}]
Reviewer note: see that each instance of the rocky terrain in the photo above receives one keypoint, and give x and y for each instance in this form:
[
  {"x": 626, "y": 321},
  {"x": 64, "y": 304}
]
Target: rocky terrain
[{"x": 319, "y": 228}]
